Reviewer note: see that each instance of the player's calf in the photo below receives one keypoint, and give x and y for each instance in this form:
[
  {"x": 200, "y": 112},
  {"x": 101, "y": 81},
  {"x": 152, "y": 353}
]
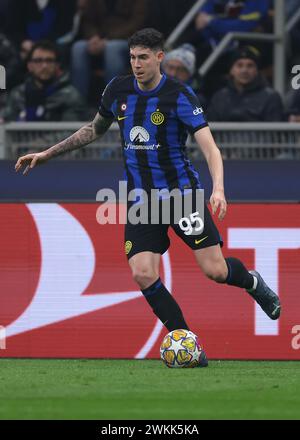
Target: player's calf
[
  {"x": 164, "y": 306},
  {"x": 216, "y": 271}
]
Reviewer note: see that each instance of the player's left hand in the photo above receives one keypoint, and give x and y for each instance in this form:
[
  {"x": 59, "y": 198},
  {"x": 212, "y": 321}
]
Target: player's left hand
[{"x": 217, "y": 200}]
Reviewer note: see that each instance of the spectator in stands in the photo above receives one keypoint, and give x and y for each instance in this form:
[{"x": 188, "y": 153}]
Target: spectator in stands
[
  {"x": 247, "y": 97},
  {"x": 35, "y": 20},
  {"x": 215, "y": 19},
  {"x": 10, "y": 59},
  {"x": 218, "y": 17},
  {"x": 104, "y": 29},
  {"x": 29, "y": 21},
  {"x": 180, "y": 63},
  {"x": 47, "y": 94}
]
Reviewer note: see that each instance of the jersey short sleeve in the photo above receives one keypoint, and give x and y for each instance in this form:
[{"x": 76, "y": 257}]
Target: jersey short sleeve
[
  {"x": 189, "y": 110},
  {"x": 107, "y": 100}
]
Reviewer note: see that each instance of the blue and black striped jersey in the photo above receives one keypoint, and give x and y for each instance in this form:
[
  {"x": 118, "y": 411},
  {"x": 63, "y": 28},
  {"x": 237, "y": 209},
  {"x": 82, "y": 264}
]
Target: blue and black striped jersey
[{"x": 153, "y": 126}]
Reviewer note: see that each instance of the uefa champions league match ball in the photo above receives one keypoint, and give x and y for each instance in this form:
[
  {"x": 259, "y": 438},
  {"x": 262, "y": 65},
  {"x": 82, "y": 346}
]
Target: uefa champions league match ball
[{"x": 180, "y": 349}]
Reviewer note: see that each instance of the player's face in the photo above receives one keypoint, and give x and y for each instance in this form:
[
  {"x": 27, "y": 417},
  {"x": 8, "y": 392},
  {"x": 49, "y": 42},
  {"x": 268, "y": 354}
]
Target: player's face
[
  {"x": 145, "y": 64},
  {"x": 43, "y": 65},
  {"x": 244, "y": 71},
  {"x": 176, "y": 69}
]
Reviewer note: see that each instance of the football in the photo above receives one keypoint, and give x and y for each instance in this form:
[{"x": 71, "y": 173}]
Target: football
[{"x": 180, "y": 349}]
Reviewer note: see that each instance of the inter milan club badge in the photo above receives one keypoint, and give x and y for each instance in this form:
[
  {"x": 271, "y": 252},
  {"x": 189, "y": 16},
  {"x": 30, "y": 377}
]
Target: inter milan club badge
[
  {"x": 128, "y": 247},
  {"x": 157, "y": 118},
  {"x": 123, "y": 107}
]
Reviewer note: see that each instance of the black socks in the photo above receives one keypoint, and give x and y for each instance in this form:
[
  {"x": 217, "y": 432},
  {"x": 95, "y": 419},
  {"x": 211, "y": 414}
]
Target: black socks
[
  {"x": 238, "y": 275},
  {"x": 164, "y": 306}
]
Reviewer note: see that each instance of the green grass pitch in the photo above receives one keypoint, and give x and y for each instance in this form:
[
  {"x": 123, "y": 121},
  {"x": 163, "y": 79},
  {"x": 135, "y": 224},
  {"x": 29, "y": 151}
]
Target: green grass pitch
[{"x": 132, "y": 389}]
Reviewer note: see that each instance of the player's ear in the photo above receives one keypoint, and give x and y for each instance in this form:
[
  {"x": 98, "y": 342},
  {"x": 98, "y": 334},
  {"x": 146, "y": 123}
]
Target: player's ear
[{"x": 160, "y": 56}]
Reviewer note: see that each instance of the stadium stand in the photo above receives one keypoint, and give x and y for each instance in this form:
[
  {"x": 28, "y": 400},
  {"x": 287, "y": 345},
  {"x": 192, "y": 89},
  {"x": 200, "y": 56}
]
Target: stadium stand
[
  {"x": 46, "y": 94},
  {"x": 101, "y": 40},
  {"x": 10, "y": 59},
  {"x": 244, "y": 141},
  {"x": 270, "y": 143},
  {"x": 33, "y": 20},
  {"x": 247, "y": 96}
]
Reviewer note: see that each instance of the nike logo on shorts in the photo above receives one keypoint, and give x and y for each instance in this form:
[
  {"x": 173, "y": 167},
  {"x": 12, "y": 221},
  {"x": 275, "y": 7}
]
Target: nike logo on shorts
[{"x": 200, "y": 241}]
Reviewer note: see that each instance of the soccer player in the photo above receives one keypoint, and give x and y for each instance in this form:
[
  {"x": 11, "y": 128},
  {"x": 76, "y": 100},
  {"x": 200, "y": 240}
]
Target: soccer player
[{"x": 154, "y": 113}]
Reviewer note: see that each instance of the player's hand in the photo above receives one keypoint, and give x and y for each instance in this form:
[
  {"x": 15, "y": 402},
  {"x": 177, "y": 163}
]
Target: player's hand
[
  {"x": 217, "y": 200},
  {"x": 30, "y": 161}
]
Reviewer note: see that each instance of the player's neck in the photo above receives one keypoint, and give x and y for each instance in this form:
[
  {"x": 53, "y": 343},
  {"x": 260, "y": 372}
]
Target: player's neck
[{"x": 151, "y": 85}]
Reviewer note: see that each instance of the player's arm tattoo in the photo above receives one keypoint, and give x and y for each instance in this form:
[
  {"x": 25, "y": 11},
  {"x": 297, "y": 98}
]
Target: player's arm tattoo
[{"x": 84, "y": 136}]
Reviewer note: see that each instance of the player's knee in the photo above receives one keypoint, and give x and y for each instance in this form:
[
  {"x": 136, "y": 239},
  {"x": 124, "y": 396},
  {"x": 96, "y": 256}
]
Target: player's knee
[
  {"x": 216, "y": 272},
  {"x": 144, "y": 276}
]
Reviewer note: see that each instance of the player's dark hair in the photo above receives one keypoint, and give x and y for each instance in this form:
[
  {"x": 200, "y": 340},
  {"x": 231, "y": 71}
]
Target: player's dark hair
[
  {"x": 45, "y": 45},
  {"x": 149, "y": 38}
]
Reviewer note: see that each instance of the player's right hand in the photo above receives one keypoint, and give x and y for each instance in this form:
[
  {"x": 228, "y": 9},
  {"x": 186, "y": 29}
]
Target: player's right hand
[{"x": 29, "y": 161}]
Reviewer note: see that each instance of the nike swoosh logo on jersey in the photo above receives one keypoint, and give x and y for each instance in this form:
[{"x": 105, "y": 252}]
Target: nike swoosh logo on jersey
[
  {"x": 120, "y": 118},
  {"x": 199, "y": 241}
]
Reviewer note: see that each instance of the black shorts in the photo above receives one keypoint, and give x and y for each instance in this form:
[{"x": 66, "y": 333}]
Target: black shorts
[{"x": 154, "y": 237}]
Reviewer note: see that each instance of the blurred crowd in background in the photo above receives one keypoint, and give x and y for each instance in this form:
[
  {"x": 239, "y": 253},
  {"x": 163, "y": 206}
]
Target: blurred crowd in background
[{"x": 59, "y": 55}]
